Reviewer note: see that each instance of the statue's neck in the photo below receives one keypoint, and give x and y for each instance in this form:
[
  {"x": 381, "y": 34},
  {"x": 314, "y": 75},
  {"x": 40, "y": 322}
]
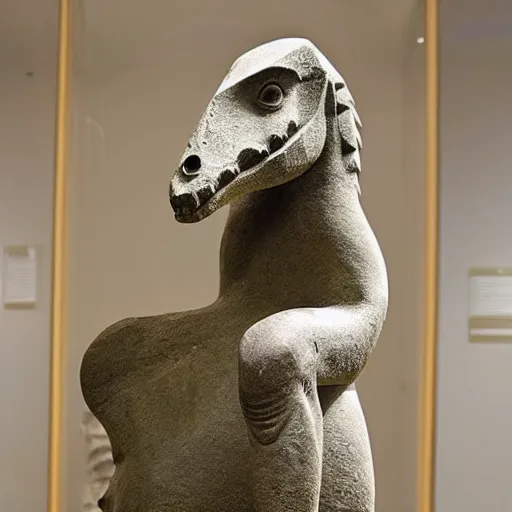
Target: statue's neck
[{"x": 305, "y": 243}]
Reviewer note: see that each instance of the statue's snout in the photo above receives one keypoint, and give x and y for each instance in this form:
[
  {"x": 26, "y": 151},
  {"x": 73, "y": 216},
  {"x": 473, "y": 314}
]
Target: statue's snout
[{"x": 183, "y": 204}]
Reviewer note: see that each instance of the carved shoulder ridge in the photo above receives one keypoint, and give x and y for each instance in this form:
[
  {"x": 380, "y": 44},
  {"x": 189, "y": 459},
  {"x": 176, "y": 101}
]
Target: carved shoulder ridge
[
  {"x": 118, "y": 328},
  {"x": 107, "y": 352},
  {"x": 118, "y": 333}
]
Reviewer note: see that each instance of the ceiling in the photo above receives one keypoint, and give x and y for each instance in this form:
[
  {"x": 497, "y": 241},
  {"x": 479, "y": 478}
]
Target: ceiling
[{"x": 111, "y": 36}]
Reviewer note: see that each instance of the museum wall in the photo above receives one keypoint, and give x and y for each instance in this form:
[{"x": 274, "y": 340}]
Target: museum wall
[
  {"x": 474, "y": 452},
  {"x": 27, "y": 114},
  {"x": 132, "y": 118}
]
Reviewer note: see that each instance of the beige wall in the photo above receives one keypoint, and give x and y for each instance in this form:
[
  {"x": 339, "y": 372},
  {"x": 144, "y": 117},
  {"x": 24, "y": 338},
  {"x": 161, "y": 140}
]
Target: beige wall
[
  {"x": 27, "y": 114},
  {"x": 474, "y": 449},
  {"x": 129, "y": 257}
]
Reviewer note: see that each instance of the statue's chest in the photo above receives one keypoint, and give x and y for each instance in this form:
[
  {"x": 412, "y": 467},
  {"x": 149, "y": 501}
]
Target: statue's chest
[
  {"x": 179, "y": 421},
  {"x": 173, "y": 391}
]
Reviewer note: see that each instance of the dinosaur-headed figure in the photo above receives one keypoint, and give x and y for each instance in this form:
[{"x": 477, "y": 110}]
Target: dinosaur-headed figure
[
  {"x": 265, "y": 126},
  {"x": 250, "y": 404}
]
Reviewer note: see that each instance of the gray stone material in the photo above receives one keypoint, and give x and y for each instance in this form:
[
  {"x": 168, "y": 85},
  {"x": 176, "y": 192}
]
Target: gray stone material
[{"x": 249, "y": 404}]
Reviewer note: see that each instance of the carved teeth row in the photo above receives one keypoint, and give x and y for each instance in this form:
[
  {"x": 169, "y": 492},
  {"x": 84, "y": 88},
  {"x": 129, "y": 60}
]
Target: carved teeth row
[
  {"x": 188, "y": 203},
  {"x": 204, "y": 194},
  {"x": 292, "y": 129},
  {"x": 250, "y": 157},
  {"x": 226, "y": 177},
  {"x": 276, "y": 142}
]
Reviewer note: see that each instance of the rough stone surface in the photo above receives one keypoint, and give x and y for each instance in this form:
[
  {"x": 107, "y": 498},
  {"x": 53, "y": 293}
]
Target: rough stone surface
[{"x": 250, "y": 404}]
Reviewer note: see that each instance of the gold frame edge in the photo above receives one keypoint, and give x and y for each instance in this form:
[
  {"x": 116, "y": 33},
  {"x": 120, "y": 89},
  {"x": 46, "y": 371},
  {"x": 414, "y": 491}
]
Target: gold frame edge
[
  {"x": 427, "y": 416},
  {"x": 59, "y": 277}
]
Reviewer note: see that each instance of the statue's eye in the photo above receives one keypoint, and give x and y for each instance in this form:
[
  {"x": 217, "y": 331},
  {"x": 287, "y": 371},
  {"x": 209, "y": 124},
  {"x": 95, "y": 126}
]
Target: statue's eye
[{"x": 271, "y": 96}]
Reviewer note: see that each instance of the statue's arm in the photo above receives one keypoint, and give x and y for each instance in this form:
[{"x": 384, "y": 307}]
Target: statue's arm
[{"x": 340, "y": 339}]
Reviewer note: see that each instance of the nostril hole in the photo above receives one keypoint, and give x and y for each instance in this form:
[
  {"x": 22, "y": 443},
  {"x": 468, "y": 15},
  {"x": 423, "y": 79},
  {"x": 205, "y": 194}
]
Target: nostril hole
[{"x": 191, "y": 165}]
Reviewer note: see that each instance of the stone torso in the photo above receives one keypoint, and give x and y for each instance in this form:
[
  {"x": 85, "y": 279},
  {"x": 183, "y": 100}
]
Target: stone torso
[
  {"x": 166, "y": 387},
  {"x": 168, "y": 398},
  {"x": 173, "y": 380}
]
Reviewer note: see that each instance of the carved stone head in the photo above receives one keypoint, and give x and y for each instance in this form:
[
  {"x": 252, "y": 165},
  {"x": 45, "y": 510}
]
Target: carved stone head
[{"x": 265, "y": 126}]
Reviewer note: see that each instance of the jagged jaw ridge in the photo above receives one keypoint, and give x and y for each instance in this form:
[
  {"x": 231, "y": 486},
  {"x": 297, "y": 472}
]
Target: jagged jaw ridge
[{"x": 209, "y": 198}]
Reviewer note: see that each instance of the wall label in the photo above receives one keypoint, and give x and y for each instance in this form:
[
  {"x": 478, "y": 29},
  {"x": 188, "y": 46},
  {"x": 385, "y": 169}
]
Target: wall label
[{"x": 490, "y": 304}]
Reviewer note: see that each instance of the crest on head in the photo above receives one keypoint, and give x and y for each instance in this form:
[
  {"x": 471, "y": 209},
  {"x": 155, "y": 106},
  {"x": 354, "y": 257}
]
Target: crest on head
[{"x": 266, "y": 125}]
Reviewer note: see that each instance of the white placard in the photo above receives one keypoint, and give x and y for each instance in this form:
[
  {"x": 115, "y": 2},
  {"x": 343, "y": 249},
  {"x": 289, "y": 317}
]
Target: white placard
[
  {"x": 490, "y": 304},
  {"x": 19, "y": 275},
  {"x": 491, "y": 295}
]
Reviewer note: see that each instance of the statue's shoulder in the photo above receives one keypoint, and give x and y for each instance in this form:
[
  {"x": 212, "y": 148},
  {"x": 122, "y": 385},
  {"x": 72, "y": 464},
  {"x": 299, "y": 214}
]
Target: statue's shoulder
[
  {"x": 119, "y": 349},
  {"x": 107, "y": 355},
  {"x": 137, "y": 329},
  {"x": 120, "y": 330},
  {"x": 116, "y": 337}
]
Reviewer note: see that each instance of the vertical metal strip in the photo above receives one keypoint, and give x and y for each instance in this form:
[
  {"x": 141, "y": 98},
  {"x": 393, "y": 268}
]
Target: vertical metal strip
[
  {"x": 59, "y": 259},
  {"x": 427, "y": 427}
]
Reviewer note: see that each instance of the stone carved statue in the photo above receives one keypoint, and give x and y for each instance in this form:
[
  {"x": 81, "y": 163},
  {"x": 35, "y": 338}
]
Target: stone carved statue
[{"x": 249, "y": 404}]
